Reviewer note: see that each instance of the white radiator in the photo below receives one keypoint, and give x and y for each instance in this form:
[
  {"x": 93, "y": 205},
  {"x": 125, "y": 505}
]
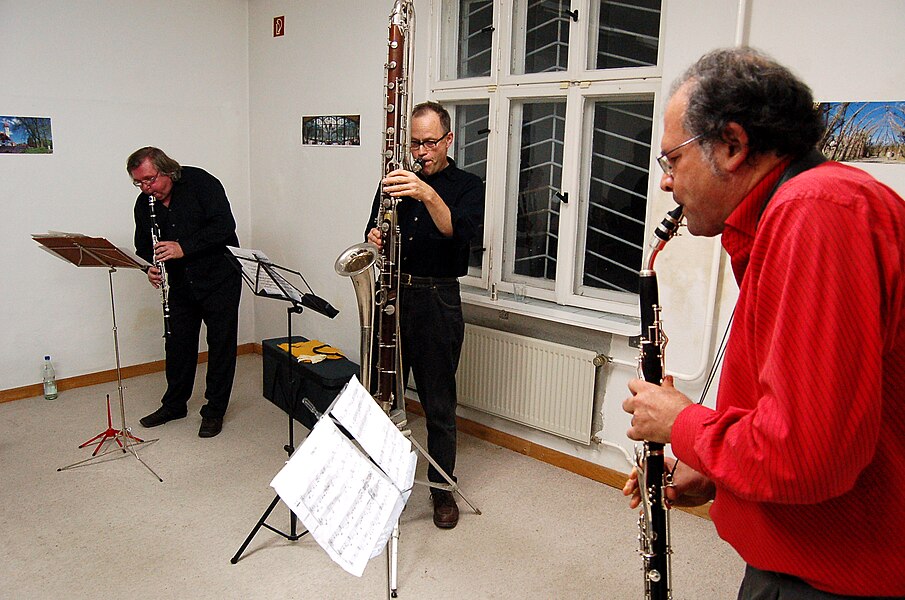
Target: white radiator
[{"x": 534, "y": 382}]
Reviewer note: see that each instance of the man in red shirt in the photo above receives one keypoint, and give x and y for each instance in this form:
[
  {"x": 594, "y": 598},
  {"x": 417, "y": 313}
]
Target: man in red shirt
[{"x": 804, "y": 455}]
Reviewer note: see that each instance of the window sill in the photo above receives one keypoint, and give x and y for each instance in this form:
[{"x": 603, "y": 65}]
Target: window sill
[{"x": 550, "y": 311}]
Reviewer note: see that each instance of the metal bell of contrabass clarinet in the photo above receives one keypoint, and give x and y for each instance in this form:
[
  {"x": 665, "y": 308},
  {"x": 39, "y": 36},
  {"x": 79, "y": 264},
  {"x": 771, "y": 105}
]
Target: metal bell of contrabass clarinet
[
  {"x": 653, "y": 479},
  {"x": 164, "y": 282},
  {"x": 377, "y": 289}
]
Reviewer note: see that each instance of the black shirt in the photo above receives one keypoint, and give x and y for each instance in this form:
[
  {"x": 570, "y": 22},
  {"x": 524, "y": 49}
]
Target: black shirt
[
  {"x": 200, "y": 219},
  {"x": 425, "y": 251}
]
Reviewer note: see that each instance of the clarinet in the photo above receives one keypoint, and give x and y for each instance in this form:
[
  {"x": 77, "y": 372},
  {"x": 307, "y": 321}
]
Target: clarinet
[
  {"x": 653, "y": 479},
  {"x": 164, "y": 283}
]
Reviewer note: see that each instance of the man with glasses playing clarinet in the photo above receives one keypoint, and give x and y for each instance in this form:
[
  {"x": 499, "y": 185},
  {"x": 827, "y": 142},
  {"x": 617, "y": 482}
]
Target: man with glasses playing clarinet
[
  {"x": 193, "y": 224},
  {"x": 441, "y": 211},
  {"x": 804, "y": 454}
]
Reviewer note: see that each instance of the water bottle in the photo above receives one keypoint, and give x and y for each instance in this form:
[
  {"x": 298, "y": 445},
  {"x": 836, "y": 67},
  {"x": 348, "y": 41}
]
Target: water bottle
[{"x": 50, "y": 380}]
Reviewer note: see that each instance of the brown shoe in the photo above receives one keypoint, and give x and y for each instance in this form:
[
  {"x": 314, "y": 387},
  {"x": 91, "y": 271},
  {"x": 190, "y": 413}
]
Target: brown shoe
[{"x": 446, "y": 513}]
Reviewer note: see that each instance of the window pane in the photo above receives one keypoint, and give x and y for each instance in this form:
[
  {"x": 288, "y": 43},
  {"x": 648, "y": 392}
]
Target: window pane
[
  {"x": 617, "y": 195},
  {"x": 543, "y": 32},
  {"x": 475, "y": 31},
  {"x": 539, "y": 179},
  {"x": 472, "y": 125},
  {"x": 627, "y": 34}
]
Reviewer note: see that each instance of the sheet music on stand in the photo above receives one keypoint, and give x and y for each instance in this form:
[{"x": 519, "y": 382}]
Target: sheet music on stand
[
  {"x": 264, "y": 277},
  {"x": 348, "y": 501},
  {"x": 264, "y": 281}
]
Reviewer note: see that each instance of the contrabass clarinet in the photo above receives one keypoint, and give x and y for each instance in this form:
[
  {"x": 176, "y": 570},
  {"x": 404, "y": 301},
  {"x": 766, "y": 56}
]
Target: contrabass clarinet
[
  {"x": 653, "y": 479},
  {"x": 379, "y": 300},
  {"x": 164, "y": 283}
]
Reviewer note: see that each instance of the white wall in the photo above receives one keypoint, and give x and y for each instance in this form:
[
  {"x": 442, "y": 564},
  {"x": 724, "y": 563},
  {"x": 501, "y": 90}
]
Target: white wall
[
  {"x": 112, "y": 76},
  {"x": 311, "y": 203}
]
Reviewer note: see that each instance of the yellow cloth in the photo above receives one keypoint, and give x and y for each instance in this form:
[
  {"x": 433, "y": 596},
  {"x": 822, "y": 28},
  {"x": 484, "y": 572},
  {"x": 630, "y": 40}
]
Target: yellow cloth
[{"x": 312, "y": 351}]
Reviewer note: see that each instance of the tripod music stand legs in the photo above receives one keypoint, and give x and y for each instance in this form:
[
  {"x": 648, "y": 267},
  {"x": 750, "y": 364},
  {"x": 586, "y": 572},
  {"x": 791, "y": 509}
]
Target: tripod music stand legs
[
  {"x": 123, "y": 436},
  {"x": 292, "y": 536},
  {"x": 393, "y": 543},
  {"x": 110, "y": 434}
]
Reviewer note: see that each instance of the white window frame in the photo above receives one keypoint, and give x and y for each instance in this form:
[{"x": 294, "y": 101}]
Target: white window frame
[{"x": 581, "y": 87}]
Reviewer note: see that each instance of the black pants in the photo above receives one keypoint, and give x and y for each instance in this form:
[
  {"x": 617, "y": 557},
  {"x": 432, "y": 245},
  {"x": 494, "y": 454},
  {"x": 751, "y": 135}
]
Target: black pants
[
  {"x": 219, "y": 311},
  {"x": 432, "y": 329},
  {"x": 767, "y": 585}
]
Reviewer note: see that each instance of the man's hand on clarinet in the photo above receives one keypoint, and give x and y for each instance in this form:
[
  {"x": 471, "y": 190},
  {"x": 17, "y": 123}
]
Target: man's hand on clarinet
[
  {"x": 154, "y": 277},
  {"x": 689, "y": 488},
  {"x": 168, "y": 251},
  {"x": 654, "y": 409}
]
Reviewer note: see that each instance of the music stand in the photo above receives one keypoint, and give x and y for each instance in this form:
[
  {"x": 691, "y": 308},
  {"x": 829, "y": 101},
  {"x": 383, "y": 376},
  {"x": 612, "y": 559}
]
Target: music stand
[
  {"x": 264, "y": 279},
  {"x": 85, "y": 251}
]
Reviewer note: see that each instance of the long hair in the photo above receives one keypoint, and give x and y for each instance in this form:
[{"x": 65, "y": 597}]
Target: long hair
[
  {"x": 745, "y": 86},
  {"x": 159, "y": 159}
]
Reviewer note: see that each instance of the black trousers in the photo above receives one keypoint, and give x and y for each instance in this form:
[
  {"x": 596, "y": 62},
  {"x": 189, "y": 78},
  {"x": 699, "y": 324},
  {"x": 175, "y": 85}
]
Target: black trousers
[
  {"x": 431, "y": 332},
  {"x": 219, "y": 311},
  {"x": 767, "y": 585}
]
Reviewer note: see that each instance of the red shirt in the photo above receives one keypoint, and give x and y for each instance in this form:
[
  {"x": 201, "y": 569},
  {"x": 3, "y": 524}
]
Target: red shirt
[{"x": 806, "y": 446}]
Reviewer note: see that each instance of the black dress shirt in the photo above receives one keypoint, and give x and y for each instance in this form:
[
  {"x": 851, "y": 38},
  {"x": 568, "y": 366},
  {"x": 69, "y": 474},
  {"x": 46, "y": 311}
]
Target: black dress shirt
[{"x": 425, "y": 251}]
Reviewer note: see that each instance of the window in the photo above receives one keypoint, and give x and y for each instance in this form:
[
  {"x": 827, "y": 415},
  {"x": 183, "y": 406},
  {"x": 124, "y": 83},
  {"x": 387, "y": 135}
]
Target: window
[
  {"x": 554, "y": 105},
  {"x": 538, "y": 135},
  {"x": 470, "y": 126}
]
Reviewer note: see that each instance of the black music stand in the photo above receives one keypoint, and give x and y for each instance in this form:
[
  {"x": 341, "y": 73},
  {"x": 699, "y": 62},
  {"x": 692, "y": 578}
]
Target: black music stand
[
  {"x": 264, "y": 279},
  {"x": 84, "y": 251}
]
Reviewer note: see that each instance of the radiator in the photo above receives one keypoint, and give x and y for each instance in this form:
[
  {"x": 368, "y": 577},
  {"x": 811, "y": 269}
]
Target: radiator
[{"x": 537, "y": 383}]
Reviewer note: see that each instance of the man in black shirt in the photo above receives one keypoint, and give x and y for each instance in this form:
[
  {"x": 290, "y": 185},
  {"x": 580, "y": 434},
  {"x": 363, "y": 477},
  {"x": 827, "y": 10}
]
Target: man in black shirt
[
  {"x": 440, "y": 212},
  {"x": 195, "y": 224}
]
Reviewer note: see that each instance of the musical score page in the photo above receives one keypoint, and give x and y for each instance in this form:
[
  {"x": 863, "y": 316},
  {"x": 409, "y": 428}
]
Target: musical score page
[
  {"x": 263, "y": 281},
  {"x": 357, "y": 411},
  {"x": 346, "y": 502}
]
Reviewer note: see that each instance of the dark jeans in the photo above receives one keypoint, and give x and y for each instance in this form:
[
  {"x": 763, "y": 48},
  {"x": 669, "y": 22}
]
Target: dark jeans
[
  {"x": 432, "y": 329},
  {"x": 767, "y": 585},
  {"x": 220, "y": 313}
]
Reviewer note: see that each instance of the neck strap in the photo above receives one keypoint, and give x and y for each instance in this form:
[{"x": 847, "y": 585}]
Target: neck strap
[{"x": 796, "y": 167}]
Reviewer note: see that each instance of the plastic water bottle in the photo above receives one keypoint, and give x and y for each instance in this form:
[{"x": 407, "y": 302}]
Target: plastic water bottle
[{"x": 50, "y": 380}]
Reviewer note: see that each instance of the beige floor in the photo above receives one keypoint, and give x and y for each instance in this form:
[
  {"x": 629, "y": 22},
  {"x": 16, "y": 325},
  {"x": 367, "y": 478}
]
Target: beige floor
[{"x": 111, "y": 529}]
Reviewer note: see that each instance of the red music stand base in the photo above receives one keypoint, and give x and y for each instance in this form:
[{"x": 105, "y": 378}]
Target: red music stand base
[{"x": 110, "y": 434}]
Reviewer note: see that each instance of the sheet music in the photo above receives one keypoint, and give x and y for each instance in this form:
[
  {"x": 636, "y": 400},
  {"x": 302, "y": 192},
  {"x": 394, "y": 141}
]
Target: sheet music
[
  {"x": 267, "y": 281},
  {"x": 347, "y": 504},
  {"x": 357, "y": 411}
]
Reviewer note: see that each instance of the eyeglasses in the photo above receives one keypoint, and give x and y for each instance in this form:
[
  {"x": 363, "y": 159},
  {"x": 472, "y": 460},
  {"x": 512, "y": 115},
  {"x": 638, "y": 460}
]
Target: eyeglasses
[
  {"x": 146, "y": 182},
  {"x": 664, "y": 162},
  {"x": 428, "y": 144}
]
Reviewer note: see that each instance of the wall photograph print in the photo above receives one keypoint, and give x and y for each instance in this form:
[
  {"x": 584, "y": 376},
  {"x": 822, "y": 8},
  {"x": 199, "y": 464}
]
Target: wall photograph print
[
  {"x": 864, "y": 131},
  {"x": 331, "y": 130},
  {"x": 25, "y": 135}
]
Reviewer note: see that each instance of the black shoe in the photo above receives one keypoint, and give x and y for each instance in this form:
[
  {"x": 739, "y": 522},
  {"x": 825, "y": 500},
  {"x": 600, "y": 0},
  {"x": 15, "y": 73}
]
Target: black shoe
[
  {"x": 210, "y": 426},
  {"x": 159, "y": 417},
  {"x": 446, "y": 513}
]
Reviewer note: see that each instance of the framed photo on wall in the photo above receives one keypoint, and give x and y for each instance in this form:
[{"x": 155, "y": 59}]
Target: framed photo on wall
[{"x": 331, "y": 130}]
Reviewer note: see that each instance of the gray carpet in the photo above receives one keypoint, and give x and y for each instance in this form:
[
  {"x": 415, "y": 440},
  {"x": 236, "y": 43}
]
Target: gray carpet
[{"x": 111, "y": 529}]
